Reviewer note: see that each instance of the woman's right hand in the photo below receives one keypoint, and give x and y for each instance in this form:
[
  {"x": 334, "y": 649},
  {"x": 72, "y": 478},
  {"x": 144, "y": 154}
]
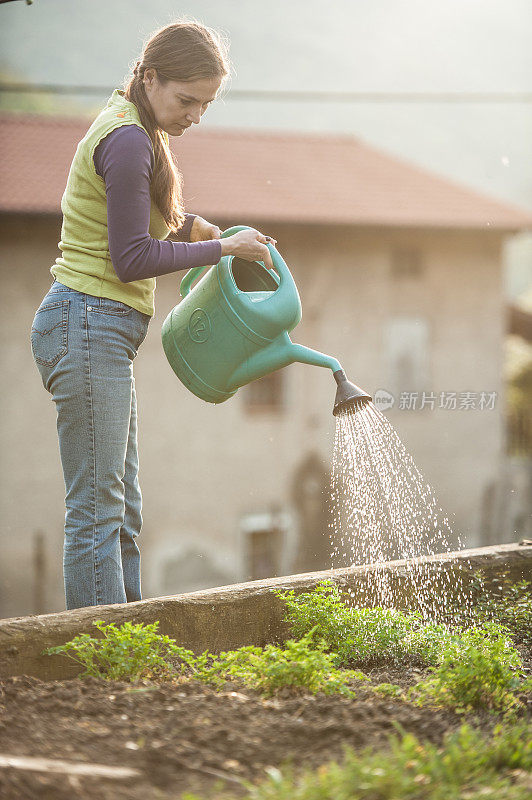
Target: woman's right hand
[{"x": 250, "y": 245}]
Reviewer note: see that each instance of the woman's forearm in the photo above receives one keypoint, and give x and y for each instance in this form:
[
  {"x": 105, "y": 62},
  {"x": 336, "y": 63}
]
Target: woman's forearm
[{"x": 124, "y": 160}]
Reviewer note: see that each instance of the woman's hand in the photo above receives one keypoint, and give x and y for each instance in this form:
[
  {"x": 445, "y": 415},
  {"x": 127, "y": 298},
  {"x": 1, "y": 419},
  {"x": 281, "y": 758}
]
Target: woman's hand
[
  {"x": 250, "y": 245},
  {"x": 202, "y": 230}
]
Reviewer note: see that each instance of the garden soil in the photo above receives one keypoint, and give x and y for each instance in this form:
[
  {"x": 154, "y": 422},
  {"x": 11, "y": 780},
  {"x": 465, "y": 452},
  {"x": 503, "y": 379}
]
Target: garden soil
[{"x": 185, "y": 736}]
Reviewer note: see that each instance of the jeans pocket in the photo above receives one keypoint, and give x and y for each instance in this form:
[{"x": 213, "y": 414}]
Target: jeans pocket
[
  {"x": 49, "y": 333},
  {"x": 113, "y": 307}
]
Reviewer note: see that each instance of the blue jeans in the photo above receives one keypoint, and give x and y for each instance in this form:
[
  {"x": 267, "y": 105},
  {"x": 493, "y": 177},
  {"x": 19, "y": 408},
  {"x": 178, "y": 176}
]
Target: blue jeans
[{"x": 84, "y": 348}]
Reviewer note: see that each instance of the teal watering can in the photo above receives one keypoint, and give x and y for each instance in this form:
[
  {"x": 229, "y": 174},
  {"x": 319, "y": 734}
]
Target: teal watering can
[{"x": 233, "y": 326}]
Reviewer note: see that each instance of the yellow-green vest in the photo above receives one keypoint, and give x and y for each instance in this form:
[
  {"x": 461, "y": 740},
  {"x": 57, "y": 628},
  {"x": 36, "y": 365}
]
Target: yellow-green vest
[{"x": 85, "y": 263}]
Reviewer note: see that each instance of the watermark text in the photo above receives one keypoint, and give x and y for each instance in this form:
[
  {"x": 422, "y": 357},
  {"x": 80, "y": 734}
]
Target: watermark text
[{"x": 443, "y": 400}]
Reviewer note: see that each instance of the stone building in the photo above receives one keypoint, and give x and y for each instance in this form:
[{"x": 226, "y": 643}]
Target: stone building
[{"x": 400, "y": 277}]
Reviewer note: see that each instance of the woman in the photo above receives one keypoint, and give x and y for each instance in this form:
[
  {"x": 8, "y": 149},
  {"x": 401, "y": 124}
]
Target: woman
[{"x": 123, "y": 197}]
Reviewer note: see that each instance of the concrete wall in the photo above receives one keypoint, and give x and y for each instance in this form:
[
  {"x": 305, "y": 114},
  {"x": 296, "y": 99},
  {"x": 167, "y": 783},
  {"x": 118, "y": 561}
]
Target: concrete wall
[{"x": 203, "y": 468}]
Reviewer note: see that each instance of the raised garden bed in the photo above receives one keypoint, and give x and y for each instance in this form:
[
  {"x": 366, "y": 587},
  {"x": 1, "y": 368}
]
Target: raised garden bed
[{"x": 182, "y": 735}]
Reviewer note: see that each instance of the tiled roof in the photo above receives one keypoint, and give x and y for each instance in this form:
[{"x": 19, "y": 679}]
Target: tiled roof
[{"x": 238, "y": 174}]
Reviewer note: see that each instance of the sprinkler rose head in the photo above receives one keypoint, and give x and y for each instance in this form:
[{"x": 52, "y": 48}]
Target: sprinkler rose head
[{"x": 347, "y": 394}]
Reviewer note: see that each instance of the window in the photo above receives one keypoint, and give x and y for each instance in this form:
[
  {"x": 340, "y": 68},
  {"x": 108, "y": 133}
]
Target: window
[
  {"x": 407, "y": 355},
  {"x": 187, "y": 568},
  {"x": 406, "y": 262},
  {"x": 265, "y": 394},
  {"x": 263, "y": 554},
  {"x": 265, "y": 543}
]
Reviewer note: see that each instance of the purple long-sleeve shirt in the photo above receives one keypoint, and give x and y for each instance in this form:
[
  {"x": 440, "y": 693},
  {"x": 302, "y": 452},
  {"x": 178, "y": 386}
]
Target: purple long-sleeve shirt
[{"x": 124, "y": 159}]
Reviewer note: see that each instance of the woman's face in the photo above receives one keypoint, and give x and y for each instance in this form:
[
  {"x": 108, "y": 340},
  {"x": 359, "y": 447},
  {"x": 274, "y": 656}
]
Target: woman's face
[{"x": 177, "y": 104}]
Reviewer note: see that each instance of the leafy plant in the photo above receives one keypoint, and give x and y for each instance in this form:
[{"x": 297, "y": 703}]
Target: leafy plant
[
  {"x": 479, "y": 668},
  {"x": 468, "y": 766},
  {"x": 322, "y": 610},
  {"x": 471, "y": 668},
  {"x": 135, "y": 651},
  {"x": 361, "y": 635},
  {"x": 507, "y": 602},
  {"x": 130, "y": 652},
  {"x": 299, "y": 663},
  {"x": 388, "y": 690},
  {"x": 427, "y": 642}
]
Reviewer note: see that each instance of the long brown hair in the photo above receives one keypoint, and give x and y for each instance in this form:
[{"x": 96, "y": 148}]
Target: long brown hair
[{"x": 181, "y": 51}]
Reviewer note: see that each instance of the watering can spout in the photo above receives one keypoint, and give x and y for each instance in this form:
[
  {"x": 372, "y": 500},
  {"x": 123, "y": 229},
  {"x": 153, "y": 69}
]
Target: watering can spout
[
  {"x": 279, "y": 353},
  {"x": 348, "y": 395}
]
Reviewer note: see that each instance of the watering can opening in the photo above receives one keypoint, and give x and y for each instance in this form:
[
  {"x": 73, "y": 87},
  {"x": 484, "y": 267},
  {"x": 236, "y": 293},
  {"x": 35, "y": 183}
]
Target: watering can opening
[{"x": 254, "y": 278}]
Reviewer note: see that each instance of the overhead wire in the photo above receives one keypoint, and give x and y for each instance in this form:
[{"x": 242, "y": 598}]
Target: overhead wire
[{"x": 297, "y": 95}]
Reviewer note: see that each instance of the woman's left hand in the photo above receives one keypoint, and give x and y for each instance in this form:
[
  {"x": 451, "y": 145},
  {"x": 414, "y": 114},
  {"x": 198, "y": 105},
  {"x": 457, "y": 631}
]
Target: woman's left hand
[{"x": 202, "y": 230}]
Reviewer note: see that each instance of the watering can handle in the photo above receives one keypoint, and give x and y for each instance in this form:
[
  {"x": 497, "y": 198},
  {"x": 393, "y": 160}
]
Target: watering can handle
[{"x": 195, "y": 272}]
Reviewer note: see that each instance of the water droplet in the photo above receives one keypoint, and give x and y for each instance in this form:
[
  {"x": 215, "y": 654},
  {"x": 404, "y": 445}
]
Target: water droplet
[{"x": 383, "y": 509}]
